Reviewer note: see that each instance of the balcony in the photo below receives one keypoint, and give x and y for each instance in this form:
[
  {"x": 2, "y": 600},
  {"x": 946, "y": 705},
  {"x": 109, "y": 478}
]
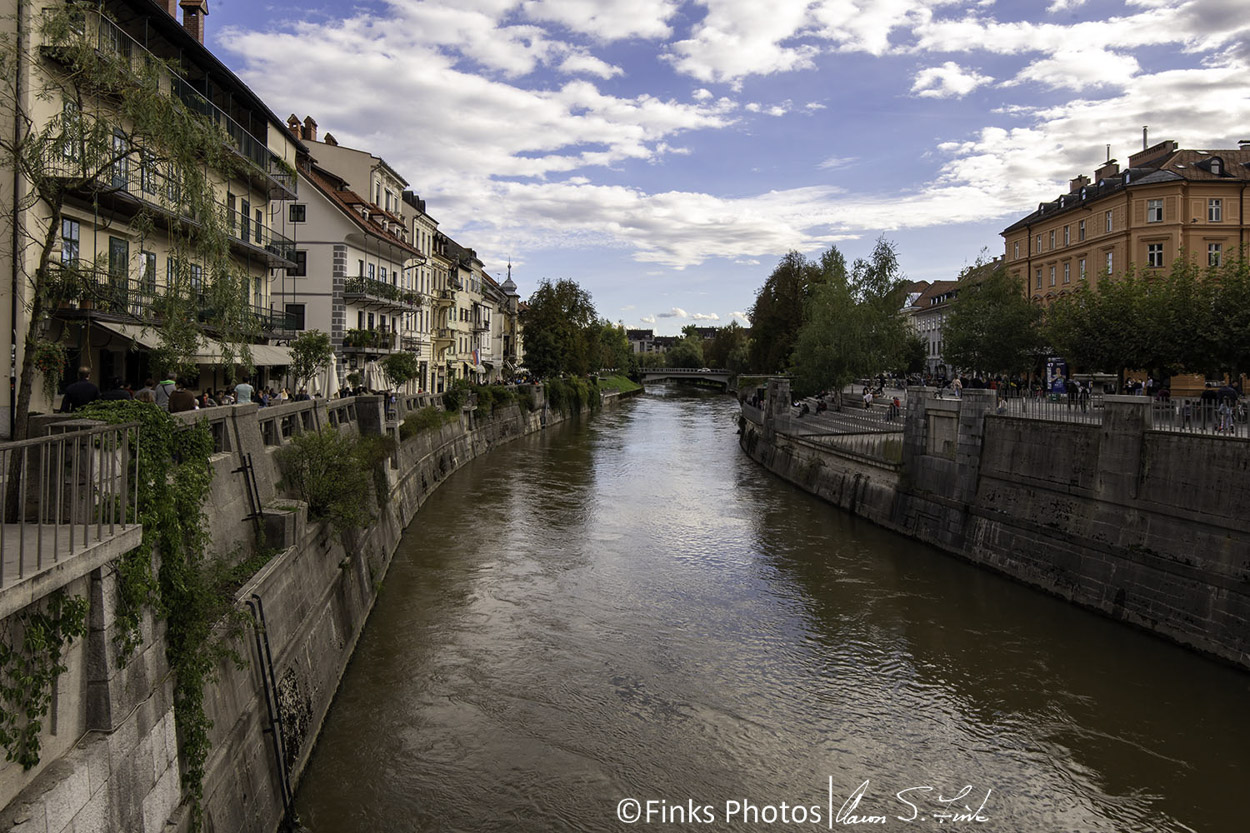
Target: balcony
[
  {"x": 444, "y": 334},
  {"x": 110, "y": 39},
  {"x": 413, "y": 341},
  {"x": 368, "y": 341},
  {"x": 480, "y": 326},
  {"x": 369, "y": 292},
  {"x": 134, "y": 184}
]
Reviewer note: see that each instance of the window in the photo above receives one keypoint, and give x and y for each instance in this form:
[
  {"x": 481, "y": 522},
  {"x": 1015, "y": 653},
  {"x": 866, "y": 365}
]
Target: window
[
  {"x": 382, "y": 274},
  {"x": 297, "y": 212},
  {"x": 1108, "y": 218},
  {"x": 1080, "y": 268},
  {"x": 121, "y": 166},
  {"x": 1052, "y": 238},
  {"x": 147, "y": 272},
  {"x": 197, "y": 281},
  {"x": 1110, "y": 262},
  {"x": 1039, "y": 244},
  {"x": 1215, "y": 211},
  {"x": 1052, "y": 276},
  {"x": 147, "y": 172},
  {"x": 231, "y": 210},
  {"x": 259, "y": 237},
  {"x": 361, "y": 263},
  {"x": 119, "y": 259},
  {"x": 1154, "y": 211},
  {"x": 301, "y": 264},
  {"x": 1067, "y": 235},
  {"x": 1214, "y": 254},
  {"x": 1067, "y": 273},
  {"x": 295, "y": 316},
  {"x": 71, "y": 120},
  {"x": 1080, "y": 230},
  {"x": 245, "y": 220},
  {"x": 1154, "y": 255},
  {"x": 370, "y": 318},
  {"x": 1216, "y": 167},
  {"x": 372, "y": 272},
  {"x": 69, "y": 242},
  {"x": 1039, "y": 279},
  {"x": 1015, "y": 253},
  {"x": 360, "y": 320}
]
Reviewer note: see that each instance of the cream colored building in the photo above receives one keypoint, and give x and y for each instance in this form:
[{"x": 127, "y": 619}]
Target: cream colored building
[
  {"x": 1165, "y": 204},
  {"x": 357, "y": 268},
  {"x": 124, "y": 237}
]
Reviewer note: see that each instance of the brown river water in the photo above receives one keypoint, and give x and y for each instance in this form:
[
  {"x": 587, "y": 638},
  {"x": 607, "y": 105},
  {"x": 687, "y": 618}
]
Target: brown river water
[{"x": 624, "y": 623}]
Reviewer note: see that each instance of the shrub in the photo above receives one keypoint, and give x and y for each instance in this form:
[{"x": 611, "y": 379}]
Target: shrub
[
  {"x": 336, "y": 475},
  {"x": 426, "y": 419}
]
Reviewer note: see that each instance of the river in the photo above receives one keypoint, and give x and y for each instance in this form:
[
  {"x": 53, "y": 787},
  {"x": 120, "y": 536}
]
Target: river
[{"x": 626, "y": 619}]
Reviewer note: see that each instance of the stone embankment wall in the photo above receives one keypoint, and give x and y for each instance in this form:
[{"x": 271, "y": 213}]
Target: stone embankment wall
[
  {"x": 110, "y": 758},
  {"x": 1148, "y": 527}
]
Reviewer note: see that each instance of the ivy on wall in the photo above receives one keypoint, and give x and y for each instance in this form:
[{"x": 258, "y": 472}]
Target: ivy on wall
[{"x": 28, "y": 670}]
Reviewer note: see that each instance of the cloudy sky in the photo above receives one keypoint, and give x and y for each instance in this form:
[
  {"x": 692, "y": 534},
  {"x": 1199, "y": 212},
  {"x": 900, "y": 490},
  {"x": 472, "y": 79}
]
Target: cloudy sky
[{"x": 665, "y": 154}]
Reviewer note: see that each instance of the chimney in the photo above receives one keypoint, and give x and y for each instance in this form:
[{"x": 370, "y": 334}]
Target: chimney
[
  {"x": 170, "y": 6},
  {"x": 193, "y": 12},
  {"x": 1077, "y": 183},
  {"x": 1243, "y": 144},
  {"x": 310, "y": 129},
  {"x": 292, "y": 124},
  {"x": 330, "y": 140},
  {"x": 1109, "y": 169}
]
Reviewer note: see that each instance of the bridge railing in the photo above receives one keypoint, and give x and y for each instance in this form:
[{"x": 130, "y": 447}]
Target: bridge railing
[{"x": 64, "y": 492}]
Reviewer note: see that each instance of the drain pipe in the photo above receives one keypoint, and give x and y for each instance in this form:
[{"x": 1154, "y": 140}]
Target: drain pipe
[{"x": 19, "y": 101}]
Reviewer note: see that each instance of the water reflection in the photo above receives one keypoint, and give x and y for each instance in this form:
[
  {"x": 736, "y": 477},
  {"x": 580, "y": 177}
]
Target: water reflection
[{"x": 629, "y": 607}]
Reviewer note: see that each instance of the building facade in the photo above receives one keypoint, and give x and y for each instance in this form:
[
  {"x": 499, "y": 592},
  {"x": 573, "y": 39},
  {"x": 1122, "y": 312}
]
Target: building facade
[
  {"x": 130, "y": 245},
  {"x": 1167, "y": 203}
]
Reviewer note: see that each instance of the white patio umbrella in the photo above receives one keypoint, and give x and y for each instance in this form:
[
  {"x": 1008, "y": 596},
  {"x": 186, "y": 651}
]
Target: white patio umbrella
[
  {"x": 331, "y": 374},
  {"x": 374, "y": 378}
]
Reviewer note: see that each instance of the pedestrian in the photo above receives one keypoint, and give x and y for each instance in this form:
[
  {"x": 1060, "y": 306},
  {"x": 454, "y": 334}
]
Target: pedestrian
[
  {"x": 116, "y": 392},
  {"x": 80, "y": 393},
  {"x": 243, "y": 393},
  {"x": 181, "y": 399},
  {"x": 163, "y": 392}
]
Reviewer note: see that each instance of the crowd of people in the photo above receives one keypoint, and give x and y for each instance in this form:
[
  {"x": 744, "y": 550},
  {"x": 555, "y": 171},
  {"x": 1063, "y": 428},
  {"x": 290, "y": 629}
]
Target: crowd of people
[{"x": 174, "y": 395}]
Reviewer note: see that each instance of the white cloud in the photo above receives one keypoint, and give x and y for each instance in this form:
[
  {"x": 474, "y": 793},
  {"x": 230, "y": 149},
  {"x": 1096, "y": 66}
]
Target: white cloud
[
  {"x": 741, "y": 316},
  {"x": 736, "y": 39},
  {"x": 581, "y": 63},
  {"x": 833, "y": 163},
  {"x": 647, "y": 319},
  {"x": 702, "y": 316},
  {"x": 1081, "y": 68},
  {"x": 606, "y": 19},
  {"x": 1057, "y": 6},
  {"x": 628, "y": 308},
  {"x": 947, "y": 81},
  {"x": 701, "y": 94},
  {"x": 675, "y": 312}
]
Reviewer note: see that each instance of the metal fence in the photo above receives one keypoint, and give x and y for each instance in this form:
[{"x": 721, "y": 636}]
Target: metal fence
[{"x": 63, "y": 493}]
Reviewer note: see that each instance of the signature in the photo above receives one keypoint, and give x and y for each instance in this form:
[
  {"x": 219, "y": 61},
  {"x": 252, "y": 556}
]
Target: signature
[{"x": 922, "y": 803}]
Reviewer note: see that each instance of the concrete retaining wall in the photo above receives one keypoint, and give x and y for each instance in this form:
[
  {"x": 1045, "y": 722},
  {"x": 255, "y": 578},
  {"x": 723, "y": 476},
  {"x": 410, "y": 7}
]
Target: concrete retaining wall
[
  {"x": 110, "y": 759},
  {"x": 1147, "y": 527}
]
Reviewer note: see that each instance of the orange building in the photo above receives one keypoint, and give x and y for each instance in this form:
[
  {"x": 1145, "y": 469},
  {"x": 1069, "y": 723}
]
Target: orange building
[{"x": 1165, "y": 204}]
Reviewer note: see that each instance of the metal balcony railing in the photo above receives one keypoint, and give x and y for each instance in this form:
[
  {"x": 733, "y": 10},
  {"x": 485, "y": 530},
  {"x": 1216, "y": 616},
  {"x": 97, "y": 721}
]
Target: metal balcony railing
[
  {"x": 110, "y": 39},
  {"x": 369, "y": 288},
  {"x": 63, "y": 493}
]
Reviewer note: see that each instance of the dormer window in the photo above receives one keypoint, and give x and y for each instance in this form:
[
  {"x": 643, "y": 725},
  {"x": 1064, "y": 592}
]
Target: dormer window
[
  {"x": 1084, "y": 192},
  {"x": 1217, "y": 166}
]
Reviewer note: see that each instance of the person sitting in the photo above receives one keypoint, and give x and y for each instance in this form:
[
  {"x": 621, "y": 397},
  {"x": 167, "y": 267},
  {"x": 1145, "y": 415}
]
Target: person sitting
[
  {"x": 116, "y": 392},
  {"x": 181, "y": 399}
]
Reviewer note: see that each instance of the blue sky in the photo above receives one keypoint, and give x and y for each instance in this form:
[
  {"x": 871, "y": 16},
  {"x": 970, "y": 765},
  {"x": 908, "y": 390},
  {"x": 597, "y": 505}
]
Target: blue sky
[{"x": 666, "y": 154}]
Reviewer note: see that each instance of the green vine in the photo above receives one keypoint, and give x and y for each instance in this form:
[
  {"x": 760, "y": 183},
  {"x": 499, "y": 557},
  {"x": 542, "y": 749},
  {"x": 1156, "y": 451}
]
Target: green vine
[
  {"x": 28, "y": 672},
  {"x": 50, "y": 360},
  {"x": 174, "y": 482}
]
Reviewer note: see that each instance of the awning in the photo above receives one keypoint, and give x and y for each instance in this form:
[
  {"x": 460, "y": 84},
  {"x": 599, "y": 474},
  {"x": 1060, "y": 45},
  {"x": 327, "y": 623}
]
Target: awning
[{"x": 209, "y": 350}]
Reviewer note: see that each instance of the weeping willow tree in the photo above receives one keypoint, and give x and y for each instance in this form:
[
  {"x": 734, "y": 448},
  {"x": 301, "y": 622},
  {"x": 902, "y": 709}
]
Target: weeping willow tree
[{"x": 97, "y": 120}]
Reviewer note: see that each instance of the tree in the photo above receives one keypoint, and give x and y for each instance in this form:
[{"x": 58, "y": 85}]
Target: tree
[
  {"x": 852, "y": 326},
  {"x": 401, "y": 368},
  {"x": 992, "y": 326},
  {"x": 310, "y": 352},
  {"x": 612, "y": 346},
  {"x": 687, "y": 351},
  {"x": 557, "y": 323},
  {"x": 778, "y": 310},
  {"x": 115, "y": 126},
  {"x": 728, "y": 348}
]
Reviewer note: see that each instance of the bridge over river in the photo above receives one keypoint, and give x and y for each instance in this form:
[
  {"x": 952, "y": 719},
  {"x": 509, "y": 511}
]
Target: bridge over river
[{"x": 687, "y": 374}]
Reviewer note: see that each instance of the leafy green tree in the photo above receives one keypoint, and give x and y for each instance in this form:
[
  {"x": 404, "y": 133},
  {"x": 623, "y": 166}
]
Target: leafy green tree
[
  {"x": 310, "y": 352},
  {"x": 558, "y": 321},
  {"x": 728, "y": 349},
  {"x": 687, "y": 351},
  {"x": 612, "y": 345},
  {"x": 992, "y": 325},
  {"x": 401, "y": 368},
  {"x": 851, "y": 324},
  {"x": 914, "y": 355},
  {"x": 780, "y": 305}
]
